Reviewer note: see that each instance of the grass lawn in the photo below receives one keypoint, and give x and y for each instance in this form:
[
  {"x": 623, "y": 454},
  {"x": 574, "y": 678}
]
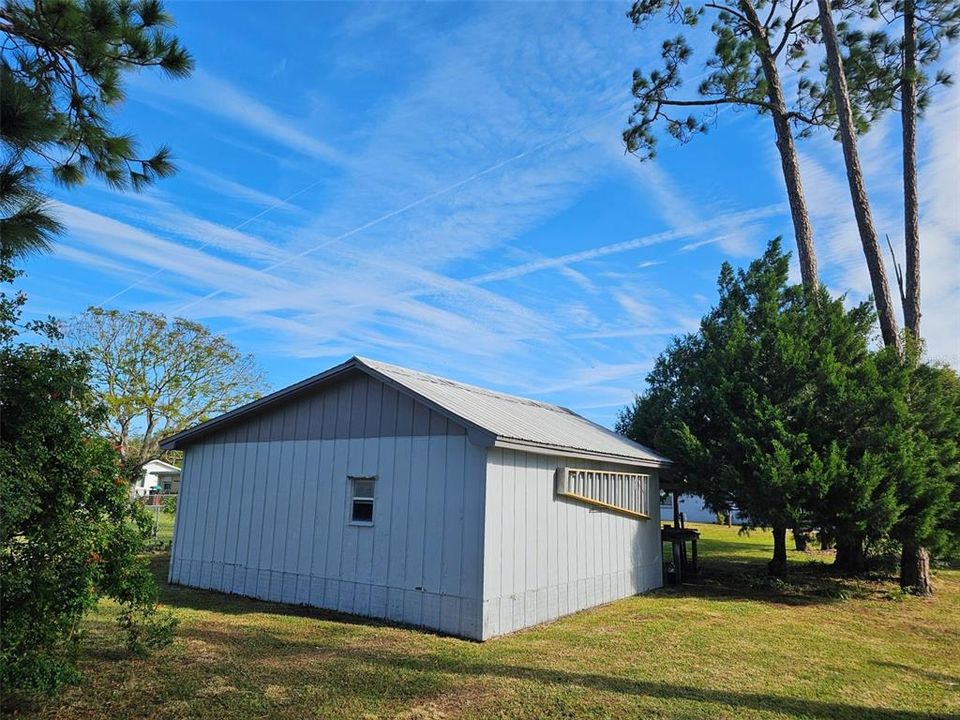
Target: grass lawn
[
  {"x": 165, "y": 527},
  {"x": 163, "y": 522},
  {"x": 734, "y": 646}
]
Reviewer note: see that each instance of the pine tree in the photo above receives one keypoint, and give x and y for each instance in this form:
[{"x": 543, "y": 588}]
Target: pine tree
[
  {"x": 888, "y": 68},
  {"x": 61, "y": 74},
  {"x": 771, "y": 407},
  {"x": 744, "y": 70},
  {"x": 847, "y": 130},
  {"x": 885, "y": 68}
]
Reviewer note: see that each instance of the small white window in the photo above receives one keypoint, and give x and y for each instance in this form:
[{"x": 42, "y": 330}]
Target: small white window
[{"x": 363, "y": 490}]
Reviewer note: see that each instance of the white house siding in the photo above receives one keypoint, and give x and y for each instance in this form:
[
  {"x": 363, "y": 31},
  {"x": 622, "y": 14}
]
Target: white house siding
[
  {"x": 548, "y": 556},
  {"x": 153, "y": 475},
  {"x": 693, "y": 510},
  {"x": 264, "y": 510}
]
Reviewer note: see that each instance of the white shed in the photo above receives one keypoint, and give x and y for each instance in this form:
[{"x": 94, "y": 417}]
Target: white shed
[{"x": 383, "y": 492}]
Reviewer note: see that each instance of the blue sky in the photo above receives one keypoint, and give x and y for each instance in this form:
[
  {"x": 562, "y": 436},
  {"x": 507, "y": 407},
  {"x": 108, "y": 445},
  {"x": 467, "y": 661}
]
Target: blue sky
[{"x": 443, "y": 186}]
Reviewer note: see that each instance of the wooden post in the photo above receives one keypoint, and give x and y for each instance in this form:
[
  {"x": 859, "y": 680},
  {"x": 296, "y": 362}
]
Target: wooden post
[
  {"x": 676, "y": 509},
  {"x": 678, "y": 572},
  {"x": 696, "y": 568}
]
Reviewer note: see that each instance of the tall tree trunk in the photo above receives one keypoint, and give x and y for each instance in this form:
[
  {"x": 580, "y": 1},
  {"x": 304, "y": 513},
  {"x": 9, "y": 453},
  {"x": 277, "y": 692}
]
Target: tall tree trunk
[
  {"x": 915, "y": 559},
  {"x": 825, "y": 540},
  {"x": 915, "y": 569},
  {"x": 858, "y": 191},
  {"x": 851, "y": 557},
  {"x": 778, "y": 565},
  {"x": 911, "y": 200},
  {"x": 800, "y": 540},
  {"x": 790, "y": 164}
]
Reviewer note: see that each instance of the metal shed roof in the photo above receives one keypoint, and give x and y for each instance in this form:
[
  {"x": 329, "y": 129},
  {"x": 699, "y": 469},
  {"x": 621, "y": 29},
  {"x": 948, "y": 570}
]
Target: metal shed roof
[
  {"x": 503, "y": 420},
  {"x": 516, "y": 419}
]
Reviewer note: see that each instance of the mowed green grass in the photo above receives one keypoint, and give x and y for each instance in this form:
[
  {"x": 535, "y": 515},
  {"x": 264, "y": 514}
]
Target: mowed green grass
[
  {"x": 165, "y": 527},
  {"x": 734, "y": 646}
]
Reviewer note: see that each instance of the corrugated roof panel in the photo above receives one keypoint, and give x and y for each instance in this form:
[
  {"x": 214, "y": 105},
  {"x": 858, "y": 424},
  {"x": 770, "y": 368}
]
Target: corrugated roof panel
[{"x": 516, "y": 418}]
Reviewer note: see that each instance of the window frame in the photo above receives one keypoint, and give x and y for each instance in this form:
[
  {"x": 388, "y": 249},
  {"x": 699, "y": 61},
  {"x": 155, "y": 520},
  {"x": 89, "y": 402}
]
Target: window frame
[{"x": 353, "y": 499}]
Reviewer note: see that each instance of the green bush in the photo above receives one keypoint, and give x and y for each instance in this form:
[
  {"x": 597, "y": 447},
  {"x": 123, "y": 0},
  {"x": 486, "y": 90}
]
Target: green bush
[
  {"x": 69, "y": 533},
  {"x": 170, "y": 505}
]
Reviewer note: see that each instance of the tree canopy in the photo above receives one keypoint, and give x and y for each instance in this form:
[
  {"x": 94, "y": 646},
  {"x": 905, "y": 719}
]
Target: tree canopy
[
  {"x": 756, "y": 41},
  {"x": 778, "y": 406},
  {"x": 62, "y": 64},
  {"x": 157, "y": 376}
]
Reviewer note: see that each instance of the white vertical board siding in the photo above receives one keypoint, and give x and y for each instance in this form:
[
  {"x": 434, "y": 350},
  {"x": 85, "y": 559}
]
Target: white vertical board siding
[
  {"x": 465, "y": 540},
  {"x": 264, "y": 510},
  {"x": 272, "y": 520},
  {"x": 546, "y": 556}
]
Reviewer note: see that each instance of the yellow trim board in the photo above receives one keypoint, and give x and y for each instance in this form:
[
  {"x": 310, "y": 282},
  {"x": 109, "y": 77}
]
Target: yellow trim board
[{"x": 606, "y": 506}]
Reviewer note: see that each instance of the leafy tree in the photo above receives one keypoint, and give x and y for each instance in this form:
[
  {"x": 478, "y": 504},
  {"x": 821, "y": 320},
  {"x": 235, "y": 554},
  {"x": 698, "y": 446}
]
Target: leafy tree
[
  {"x": 739, "y": 406},
  {"x": 69, "y": 533},
  {"x": 756, "y": 40},
  {"x": 777, "y": 405},
  {"x": 927, "y": 464},
  {"x": 61, "y": 68},
  {"x": 157, "y": 376},
  {"x": 855, "y": 419}
]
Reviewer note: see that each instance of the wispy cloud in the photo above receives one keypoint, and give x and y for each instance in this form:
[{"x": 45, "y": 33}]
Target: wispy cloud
[
  {"x": 940, "y": 230},
  {"x": 215, "y": 96},
  {"x": 644, "y": 241},
  {"x": 443, "y": 242},
  {"x": 235, "y": 190}
]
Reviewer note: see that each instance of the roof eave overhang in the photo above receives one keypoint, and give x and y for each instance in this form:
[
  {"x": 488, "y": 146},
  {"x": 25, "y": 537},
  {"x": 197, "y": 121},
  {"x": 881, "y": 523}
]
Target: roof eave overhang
[
  {"x": 543, "y": 448},
  {"x": 162, "y": 462}
]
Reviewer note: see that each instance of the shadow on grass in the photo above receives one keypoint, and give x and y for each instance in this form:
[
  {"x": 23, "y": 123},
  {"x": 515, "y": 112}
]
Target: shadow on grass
[
  {"x": 722, "y": 579},
  {"x": 647, "y": 688},
  {"x": 384, "y": 662},
  {"x": 806, "y": 583},
  {"x": 736, "y": 569},
  {"x": 941, "y": 678}
]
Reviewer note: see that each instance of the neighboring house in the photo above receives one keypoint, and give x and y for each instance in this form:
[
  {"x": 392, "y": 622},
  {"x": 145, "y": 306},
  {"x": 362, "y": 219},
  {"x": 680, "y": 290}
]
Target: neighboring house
[
  {"x": 384, "y": 492},
  {"x": 159, "y": 476},
  {"x": 693, "y": 510}
]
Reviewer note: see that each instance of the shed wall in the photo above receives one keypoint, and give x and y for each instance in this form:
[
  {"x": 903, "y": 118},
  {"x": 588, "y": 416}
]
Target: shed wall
[
  {"x": 264, "y": 512},
  {"x": 547, "y": 556}
]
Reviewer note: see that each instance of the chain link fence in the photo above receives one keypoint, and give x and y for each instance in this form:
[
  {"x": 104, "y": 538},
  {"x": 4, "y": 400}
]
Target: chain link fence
[{"x": 163, "y": 510}]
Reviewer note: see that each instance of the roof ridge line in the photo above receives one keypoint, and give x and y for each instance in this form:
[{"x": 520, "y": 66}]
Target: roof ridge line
[{"x": 431, "y": 377}]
